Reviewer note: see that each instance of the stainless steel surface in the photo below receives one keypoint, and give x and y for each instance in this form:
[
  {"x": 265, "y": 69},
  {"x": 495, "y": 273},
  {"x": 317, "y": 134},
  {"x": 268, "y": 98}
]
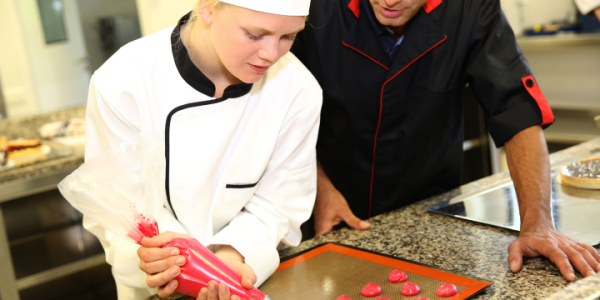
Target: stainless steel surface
[
  {"x": 8, "y": 284},
  {"x": 471, "y": 144},
  {"x": 575, "y": 211},
  {"x": 68, "y": 269},
  {"x": 29, "y": 186},
  {"x": 495, "y": 159}
]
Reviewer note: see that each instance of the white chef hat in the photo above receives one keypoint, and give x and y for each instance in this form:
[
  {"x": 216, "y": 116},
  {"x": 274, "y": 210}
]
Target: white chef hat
[{"x": 279, "y": 7}]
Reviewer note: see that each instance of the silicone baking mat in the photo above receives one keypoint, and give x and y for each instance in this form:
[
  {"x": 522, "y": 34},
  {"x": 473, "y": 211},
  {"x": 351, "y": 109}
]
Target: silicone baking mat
[{"x": 331, "y": 270}]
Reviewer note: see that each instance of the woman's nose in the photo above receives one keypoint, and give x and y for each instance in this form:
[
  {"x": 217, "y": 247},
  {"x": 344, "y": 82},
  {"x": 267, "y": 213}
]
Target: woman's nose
[{"x": 270, "y": 52}]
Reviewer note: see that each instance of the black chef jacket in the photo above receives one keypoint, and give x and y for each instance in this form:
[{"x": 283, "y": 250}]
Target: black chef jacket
[{"x": 392, "y": 131}]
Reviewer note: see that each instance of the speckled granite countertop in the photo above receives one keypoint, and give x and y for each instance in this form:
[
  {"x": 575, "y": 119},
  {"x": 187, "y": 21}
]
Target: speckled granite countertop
[
  {"x": 27, "y": 128},
  {"x": 465, "y": 247}
]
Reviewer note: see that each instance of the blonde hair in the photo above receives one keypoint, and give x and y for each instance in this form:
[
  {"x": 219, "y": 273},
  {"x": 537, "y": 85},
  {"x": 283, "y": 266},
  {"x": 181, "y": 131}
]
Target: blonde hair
[{"x": 193, "y": 24}]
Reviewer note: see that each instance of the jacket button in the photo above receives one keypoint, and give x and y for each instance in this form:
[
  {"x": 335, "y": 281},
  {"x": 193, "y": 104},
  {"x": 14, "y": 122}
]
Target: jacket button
[{"x": 529, "y": 83}]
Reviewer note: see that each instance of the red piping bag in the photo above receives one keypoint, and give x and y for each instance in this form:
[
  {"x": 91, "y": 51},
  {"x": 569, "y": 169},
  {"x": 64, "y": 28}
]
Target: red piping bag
[{"x": 203, "y": 266}]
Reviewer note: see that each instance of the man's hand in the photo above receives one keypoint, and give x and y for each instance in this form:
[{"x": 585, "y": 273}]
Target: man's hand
[
  {"x": 527, "y": 156},
  {"x": 561, "y": 250},
  {"x": 220, "y": 291},
  {"x": 331, "y": 208},
  {"x": 161, "y": 264},
  {"x": 597, "y": 12}
]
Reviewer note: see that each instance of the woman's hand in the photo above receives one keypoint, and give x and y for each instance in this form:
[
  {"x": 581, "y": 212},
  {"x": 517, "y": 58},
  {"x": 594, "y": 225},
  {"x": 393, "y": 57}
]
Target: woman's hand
[
  {"x": 220, "y": 291},
  {"x": 161, "y": 264}
]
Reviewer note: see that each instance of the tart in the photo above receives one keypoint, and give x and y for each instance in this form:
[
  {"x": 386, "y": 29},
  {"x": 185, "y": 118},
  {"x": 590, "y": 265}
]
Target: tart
[{"x": 583, "y": 173}]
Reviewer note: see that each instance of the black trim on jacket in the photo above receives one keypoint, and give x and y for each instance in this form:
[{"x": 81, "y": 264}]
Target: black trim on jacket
[{"x": 196, "y": 79}]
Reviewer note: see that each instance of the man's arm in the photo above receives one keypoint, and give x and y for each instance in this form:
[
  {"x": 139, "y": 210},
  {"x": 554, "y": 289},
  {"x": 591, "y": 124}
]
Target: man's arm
[{"x": 527, "y": 156}]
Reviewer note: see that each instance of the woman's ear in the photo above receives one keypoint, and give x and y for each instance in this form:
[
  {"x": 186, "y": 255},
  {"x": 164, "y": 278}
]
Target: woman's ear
[{"x": 206, "y": 15}]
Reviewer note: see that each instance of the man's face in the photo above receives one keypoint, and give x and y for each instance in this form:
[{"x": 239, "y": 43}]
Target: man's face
[{"x": 395, "y": 13}]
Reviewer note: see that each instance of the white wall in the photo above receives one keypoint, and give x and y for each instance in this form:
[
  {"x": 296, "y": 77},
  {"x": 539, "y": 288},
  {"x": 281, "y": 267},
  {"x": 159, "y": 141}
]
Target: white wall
[
  {"x": 92, "y": 10},
  {"x": 16, "y": 78},
  {"x": 60, "y": 70},
  {"x": 567, "y": 69},
  {"x": 547, "y": 11},
  {"x": 159, "y": 14},
  {"x": 524, "y": 14}
]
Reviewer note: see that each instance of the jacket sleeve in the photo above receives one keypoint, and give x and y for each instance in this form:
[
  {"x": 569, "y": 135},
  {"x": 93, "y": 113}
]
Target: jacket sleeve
[
  {"x": 587, "y": 6},
  {"x": 286, "y": 193},
  {"x": 107, "y": 125},
  {"x": 501, "y": 78}
]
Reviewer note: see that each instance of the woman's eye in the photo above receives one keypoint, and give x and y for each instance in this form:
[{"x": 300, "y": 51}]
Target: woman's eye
[
  {"x": 289, "y": 38},
  {"x": 252, "y": 37}
]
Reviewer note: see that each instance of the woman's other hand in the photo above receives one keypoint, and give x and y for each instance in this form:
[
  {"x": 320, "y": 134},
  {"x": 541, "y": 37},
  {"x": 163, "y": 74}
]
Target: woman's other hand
[
  {"x": 161, "y": 265},
  {"x": 220, "y": 291}
]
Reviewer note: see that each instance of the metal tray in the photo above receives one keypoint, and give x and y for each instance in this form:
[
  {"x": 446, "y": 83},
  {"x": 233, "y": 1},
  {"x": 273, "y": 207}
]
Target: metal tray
[{"x": 575, "y": 211}]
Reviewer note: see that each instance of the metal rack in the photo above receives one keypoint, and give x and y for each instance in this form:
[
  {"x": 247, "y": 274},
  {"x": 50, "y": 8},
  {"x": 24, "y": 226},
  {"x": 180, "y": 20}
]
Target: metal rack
[{"x": 9, "y": 284}]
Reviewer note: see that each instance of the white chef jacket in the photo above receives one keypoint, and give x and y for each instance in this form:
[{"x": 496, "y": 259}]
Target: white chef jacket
[
  {"x": 586, "y": 6},
  {"x": 241, "y": 170}
]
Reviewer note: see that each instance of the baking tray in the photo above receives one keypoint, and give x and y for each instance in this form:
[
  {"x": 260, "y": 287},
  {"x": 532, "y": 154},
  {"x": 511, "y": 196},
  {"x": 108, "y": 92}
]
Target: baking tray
[{"x": 331, "y": 270}]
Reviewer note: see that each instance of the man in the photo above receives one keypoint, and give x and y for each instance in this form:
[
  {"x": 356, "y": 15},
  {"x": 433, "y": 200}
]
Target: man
[{"x": 392, "y": 73}]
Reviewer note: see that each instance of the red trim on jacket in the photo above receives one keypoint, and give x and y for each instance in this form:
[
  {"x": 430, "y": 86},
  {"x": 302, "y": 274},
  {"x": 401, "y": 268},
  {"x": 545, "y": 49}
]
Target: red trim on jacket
[
  {"x": 354, "y": 6},
  {"x": 366, "y": 55},
  {"x": 431, "y": 5},
  {"x": 379, "y": 121},
  {"x": 536, "y": 93}
]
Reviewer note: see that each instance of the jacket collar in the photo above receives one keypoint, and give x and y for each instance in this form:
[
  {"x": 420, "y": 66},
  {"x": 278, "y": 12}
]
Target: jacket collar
[
  {"x": 422, "y": 35},
  {"x": 192, "y": 75},
  {"x": 362, "y": 38},
  {"x": 430, "y": 5}
]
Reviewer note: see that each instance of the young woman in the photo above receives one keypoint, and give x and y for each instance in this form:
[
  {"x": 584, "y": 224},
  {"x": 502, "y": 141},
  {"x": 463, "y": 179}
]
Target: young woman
[{"x": 239, "y": 116}]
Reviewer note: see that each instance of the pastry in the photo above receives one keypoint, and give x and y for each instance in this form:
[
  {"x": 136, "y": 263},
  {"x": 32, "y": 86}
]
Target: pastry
[
  {"x": 397, "y": 276},
  {"x": 410, "y": 289},
  {"x": 19, "y": 144},
  {"x": 446, "y": 290},
  {"x": 583, "y": 173},
  {"x": 371, "y": 290},
  {"x": 24, "y": 151}
]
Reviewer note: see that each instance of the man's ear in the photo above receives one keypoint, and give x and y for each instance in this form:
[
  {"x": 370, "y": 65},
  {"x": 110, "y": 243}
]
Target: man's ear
[{"x": 206, "y": 15}]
